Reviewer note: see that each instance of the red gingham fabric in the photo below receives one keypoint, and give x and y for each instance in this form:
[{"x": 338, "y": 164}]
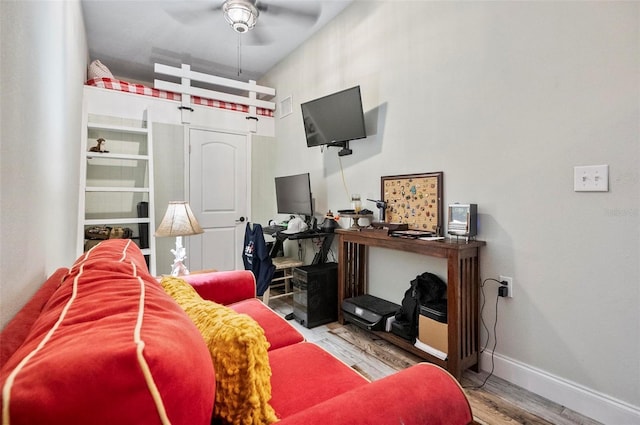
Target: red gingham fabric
[
  {"x": 119, "y": 85},
  {"x": 109, "y": 83}
]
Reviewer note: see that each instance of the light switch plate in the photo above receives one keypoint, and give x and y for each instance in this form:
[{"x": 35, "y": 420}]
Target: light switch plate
[{"x": 591, "y": 178}]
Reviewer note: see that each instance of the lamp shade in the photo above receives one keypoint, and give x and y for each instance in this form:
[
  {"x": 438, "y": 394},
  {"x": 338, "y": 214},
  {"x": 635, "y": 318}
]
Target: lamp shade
[{"x": 178, "y": 221}]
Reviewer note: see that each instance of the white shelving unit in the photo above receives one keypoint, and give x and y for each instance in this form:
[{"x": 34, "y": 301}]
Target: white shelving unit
[{"x": 114, "y": 182}]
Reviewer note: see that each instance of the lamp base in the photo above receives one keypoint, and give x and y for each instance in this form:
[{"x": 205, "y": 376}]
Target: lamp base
[
  {"x": 179, "y": 269},
  {"x": 180, "y": 254}
]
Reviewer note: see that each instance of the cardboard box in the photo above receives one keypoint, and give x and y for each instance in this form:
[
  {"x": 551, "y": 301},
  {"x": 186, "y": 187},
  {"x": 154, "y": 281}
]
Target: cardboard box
[{"x": 432, "y": 326}]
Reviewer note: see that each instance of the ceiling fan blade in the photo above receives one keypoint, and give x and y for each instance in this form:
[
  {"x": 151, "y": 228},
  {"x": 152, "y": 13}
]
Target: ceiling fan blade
[
  {"x": 192, "y": 12},
  {"x": 309, "y": 15},
  {"x": 257, "y": 37}
]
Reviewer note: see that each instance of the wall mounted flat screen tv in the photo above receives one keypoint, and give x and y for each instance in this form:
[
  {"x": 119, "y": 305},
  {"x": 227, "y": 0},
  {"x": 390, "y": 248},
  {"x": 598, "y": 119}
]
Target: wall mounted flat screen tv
[
  {"x": 334, "y": 119},
  {"x": 293, "y": 195}
]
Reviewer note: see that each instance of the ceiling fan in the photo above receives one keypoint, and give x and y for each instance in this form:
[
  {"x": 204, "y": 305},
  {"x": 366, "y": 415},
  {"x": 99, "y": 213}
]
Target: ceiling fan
[{"x": 242, "y": 15}]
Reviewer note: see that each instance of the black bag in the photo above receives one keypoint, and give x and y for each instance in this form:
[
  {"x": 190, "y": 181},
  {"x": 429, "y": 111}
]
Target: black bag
[
  {"x": 425, "y": 288},
  {"x": 430, "y": 288}
]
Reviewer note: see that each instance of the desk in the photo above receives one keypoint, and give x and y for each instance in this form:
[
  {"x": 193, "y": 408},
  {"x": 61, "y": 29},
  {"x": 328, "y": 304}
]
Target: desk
[
  {"x": 319, "y": 258},
  {"x": 463, "y": 281}
]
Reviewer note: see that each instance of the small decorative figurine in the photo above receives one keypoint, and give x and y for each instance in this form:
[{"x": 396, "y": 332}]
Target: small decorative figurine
[{"x": 98, "y": 147}]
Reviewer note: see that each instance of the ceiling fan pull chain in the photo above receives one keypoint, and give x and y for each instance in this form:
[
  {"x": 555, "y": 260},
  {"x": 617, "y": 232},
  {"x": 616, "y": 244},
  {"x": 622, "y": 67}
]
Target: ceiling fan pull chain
[{"x": 239, "y": 55}]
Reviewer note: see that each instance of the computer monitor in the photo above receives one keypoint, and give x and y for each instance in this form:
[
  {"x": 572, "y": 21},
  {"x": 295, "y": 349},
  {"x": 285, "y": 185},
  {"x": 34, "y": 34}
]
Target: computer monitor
[{"x": 293, "y": 195}]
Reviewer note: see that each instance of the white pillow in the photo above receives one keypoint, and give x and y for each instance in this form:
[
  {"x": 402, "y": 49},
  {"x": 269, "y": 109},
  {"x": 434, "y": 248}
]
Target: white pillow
[{"x": 98, "y": 70}]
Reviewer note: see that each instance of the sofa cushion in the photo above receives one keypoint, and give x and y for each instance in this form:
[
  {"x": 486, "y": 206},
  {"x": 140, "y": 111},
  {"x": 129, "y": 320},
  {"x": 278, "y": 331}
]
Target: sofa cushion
[
  {"x": 16, "y": 331},
  {"x": 110, "y": 347},
  {"x": 418, "y": 395},
  {"x": 278, "y": 332},
  {"x": 304, "y": 375},
  {"x": 238, "y": 350}
]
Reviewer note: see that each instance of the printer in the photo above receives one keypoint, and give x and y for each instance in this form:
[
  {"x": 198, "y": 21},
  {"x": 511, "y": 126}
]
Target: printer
[{"x": 368, "y": 312}]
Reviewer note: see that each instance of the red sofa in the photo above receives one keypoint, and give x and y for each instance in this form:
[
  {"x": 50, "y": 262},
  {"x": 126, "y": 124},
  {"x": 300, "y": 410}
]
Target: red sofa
[{"x": 102, "y": 343}]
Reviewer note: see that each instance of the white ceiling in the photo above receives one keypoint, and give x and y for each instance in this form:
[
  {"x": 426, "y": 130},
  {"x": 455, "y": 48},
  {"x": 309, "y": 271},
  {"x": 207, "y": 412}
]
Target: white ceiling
[{"x": 129, "y": 36}]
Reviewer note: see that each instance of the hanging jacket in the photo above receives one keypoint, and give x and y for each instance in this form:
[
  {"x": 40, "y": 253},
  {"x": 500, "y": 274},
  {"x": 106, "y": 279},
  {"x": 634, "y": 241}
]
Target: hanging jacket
[{"x": 256, "y": 258}]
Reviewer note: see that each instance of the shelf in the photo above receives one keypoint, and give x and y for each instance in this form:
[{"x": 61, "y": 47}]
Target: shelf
[
  {"x": 117, "y": 182},
  {"x": 124, "y": 189},
  {"x": 102, "y": 221},
  {"x": 118, "y": 128},
  {"x": 407, "y": 346},
  {"x": 109, "y": 155}
]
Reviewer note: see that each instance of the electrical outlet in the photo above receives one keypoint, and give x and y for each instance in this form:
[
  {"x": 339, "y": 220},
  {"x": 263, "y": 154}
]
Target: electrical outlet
[{"x": 509, "y": 281}]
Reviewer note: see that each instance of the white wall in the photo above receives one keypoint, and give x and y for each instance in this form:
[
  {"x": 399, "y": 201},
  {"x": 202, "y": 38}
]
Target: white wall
[
  {"x": 168, "y": 156},
  {"x": 505, "y": 98},
  {"x": 42, "y": 70}
]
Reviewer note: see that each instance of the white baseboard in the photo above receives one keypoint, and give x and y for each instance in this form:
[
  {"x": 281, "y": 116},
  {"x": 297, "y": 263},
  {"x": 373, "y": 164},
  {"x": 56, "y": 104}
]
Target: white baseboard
[{"x": 585, "y": 401}]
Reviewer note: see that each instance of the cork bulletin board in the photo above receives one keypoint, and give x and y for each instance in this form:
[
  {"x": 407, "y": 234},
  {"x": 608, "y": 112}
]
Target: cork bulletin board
[{"x": 415, "y": 199}]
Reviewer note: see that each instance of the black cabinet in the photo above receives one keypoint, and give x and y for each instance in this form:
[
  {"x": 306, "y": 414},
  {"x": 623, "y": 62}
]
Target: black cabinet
[{"x": 315, "y": 294}]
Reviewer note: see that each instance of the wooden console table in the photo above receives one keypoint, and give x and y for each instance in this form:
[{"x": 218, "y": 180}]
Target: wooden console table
[{"x": 463, "y": 281}]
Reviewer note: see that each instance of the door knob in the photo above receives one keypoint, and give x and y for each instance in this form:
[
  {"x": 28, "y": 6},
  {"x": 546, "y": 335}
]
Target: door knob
[{"x": 240, "y": 220}]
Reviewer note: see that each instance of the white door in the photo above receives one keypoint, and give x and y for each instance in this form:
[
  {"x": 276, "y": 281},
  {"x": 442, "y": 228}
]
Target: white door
[{"x": 218, "y": 195}]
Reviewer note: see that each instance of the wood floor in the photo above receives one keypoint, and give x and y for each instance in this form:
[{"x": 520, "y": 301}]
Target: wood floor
[{"x": 496, "y": 403}]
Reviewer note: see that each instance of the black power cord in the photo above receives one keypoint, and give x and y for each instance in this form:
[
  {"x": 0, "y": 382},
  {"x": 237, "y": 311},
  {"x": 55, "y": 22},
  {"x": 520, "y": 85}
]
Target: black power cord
[{"x": 501, "y": 293}]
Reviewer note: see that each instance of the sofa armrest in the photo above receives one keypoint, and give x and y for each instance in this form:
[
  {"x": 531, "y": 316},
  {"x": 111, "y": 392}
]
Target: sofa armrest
[
  {"x": 224, "y": 287},
  {"x": 421, "y": 394}
]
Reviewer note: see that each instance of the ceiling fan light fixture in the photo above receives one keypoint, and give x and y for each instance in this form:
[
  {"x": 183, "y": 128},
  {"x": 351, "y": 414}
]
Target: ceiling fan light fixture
[{"x": 242, "y": 15}]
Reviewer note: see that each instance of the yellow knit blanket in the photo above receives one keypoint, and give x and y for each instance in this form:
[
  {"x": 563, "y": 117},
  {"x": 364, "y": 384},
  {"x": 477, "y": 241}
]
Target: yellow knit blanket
[{"x": 238, "y": 349}]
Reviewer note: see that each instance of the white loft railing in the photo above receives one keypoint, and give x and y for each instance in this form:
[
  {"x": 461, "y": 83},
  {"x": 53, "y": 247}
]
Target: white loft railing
[{"x": 187, "y": 90}]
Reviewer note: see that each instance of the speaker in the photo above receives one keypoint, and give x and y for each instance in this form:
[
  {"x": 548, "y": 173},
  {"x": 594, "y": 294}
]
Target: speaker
[
  {"x": 463, "y": 220},
  {"x": 315, "y": 294}
]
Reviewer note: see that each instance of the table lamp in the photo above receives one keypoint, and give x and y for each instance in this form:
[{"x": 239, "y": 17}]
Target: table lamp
[{"x": 179, "y": 221}]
